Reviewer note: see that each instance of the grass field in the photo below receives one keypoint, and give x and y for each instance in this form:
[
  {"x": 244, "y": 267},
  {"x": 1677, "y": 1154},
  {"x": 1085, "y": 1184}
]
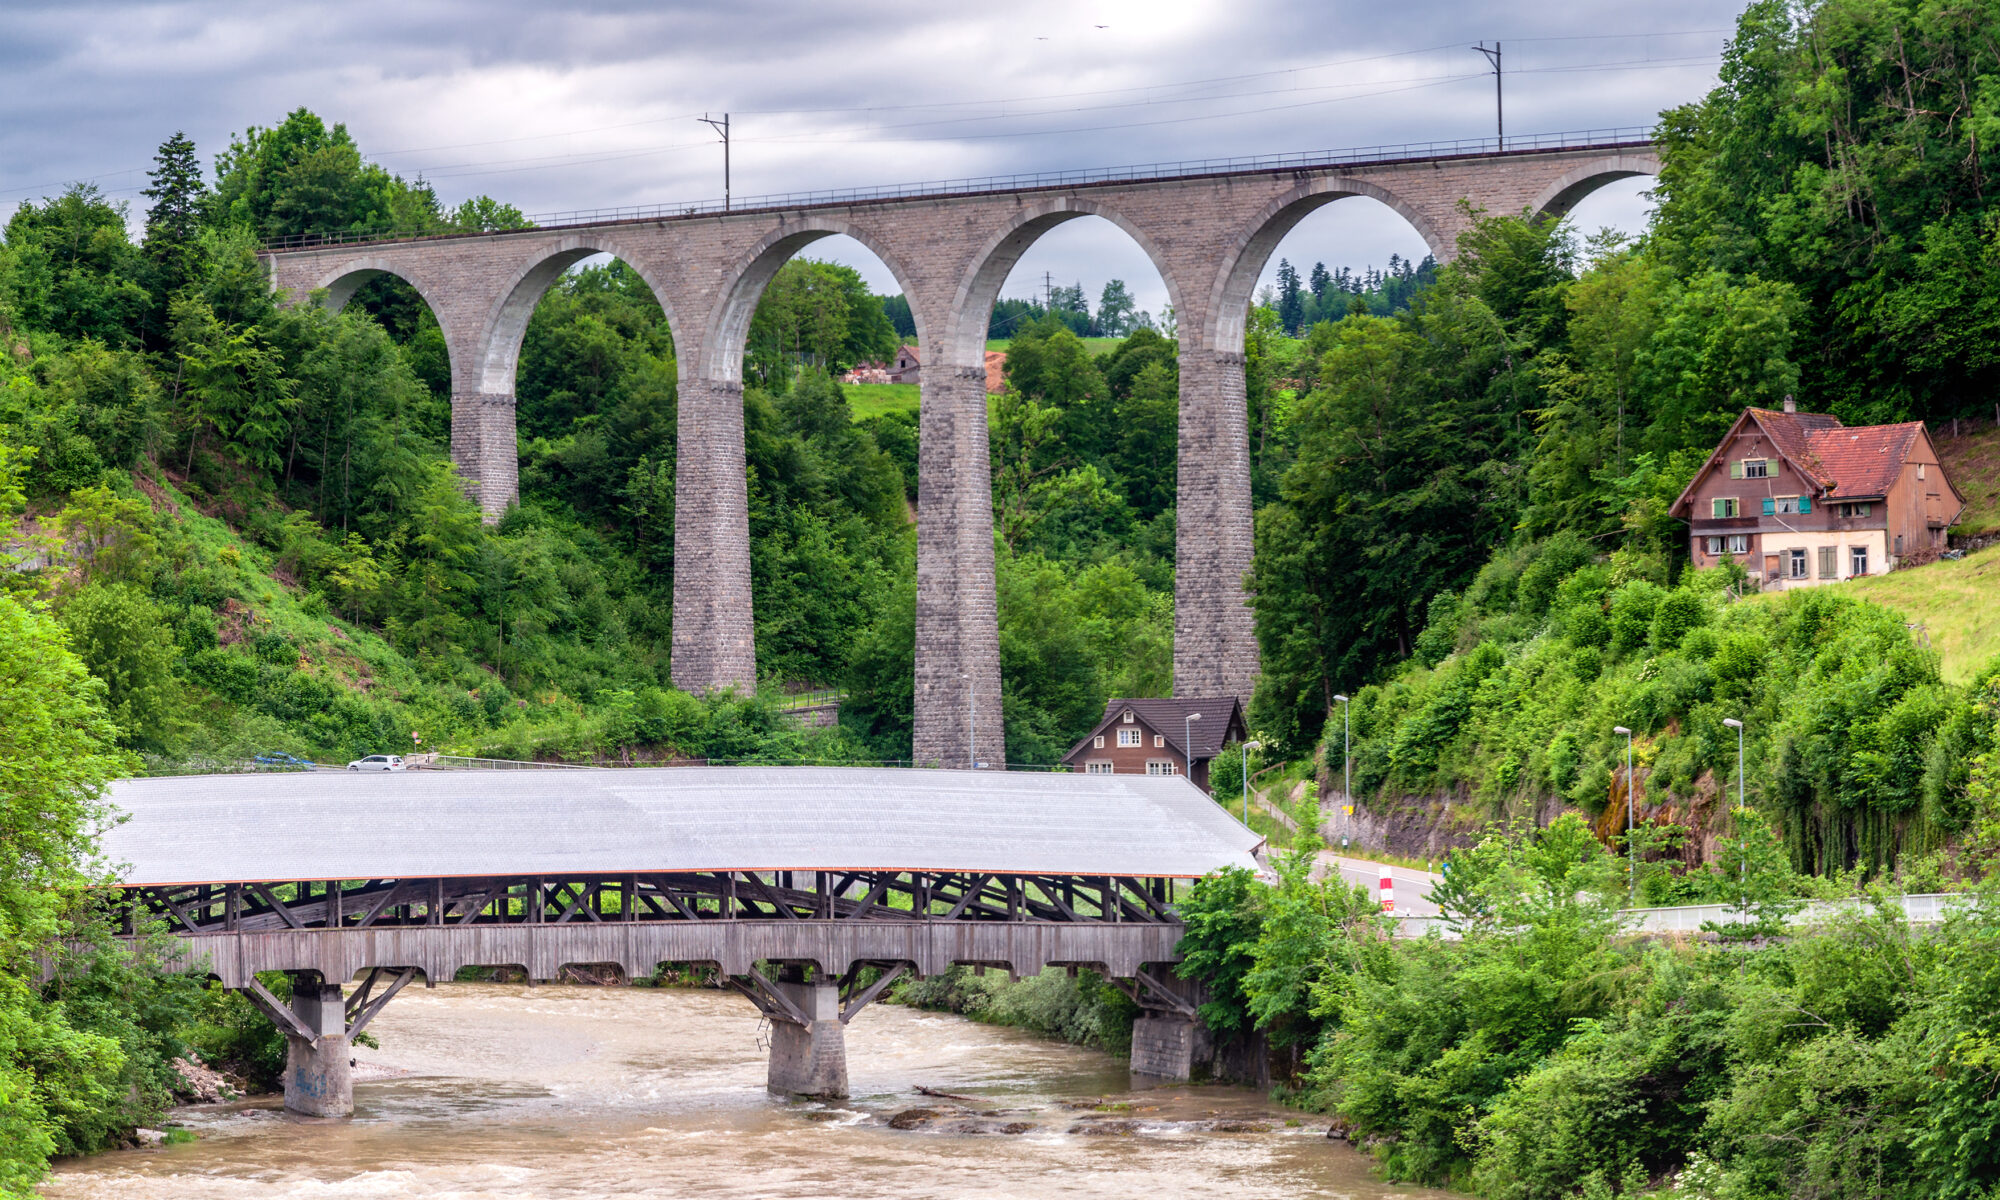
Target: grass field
[
  {"x": 1097, "y": 346},
  {"x": 1958, "y": 604},
  {"x": 1972, "y": 463},
  {"x": 873, "y": 399}
]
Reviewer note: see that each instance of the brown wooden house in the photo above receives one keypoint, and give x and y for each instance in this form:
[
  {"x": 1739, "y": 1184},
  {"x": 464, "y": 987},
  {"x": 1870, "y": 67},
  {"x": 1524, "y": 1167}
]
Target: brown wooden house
[
  {"x": 1800, "y": 499},
  {"x": 1145, "y": 737}
]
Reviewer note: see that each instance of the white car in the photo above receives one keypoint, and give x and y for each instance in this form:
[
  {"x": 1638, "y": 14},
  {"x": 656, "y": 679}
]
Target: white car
[{"x": 378, "y": 762}]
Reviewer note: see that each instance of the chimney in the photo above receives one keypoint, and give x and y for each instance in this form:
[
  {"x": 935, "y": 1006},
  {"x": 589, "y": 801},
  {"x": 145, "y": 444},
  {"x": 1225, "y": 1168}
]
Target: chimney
[{"x": 1790, "y": 404}]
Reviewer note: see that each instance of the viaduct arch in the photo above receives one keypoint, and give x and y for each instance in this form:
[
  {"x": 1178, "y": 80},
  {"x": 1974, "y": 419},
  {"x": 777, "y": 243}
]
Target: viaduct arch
[{"x": 1208, "y": 234}]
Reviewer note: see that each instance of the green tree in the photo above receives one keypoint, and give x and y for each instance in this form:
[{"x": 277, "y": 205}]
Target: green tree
[
  {"x": 57, "y": 754},
  {"x": 173, "y": 223},
  {"x": 1115, "y": 310},
  {"x": 125, "y": 640}
]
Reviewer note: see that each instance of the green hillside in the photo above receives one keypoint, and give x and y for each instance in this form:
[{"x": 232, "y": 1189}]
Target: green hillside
[{"x": 1957, "y": 604}]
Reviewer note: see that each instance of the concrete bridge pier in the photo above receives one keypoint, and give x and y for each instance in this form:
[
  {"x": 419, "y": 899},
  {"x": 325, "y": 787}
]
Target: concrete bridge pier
[
  {"x": 319, "y": 1027},
  {"x": 319, "y": 1080},
  {"x": 1163, "y": 1047},
  {"x": 1169, "y": 1037},
  {"x": 810, "y": 1059}
]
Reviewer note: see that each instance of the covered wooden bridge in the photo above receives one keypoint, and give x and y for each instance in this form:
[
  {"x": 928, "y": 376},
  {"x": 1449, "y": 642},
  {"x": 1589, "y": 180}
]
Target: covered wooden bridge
[{"x": 809, "y": 889}]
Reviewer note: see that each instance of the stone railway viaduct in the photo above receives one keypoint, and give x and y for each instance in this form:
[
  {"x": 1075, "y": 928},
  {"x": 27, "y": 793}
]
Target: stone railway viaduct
[{"x": 1209, "y": 232}]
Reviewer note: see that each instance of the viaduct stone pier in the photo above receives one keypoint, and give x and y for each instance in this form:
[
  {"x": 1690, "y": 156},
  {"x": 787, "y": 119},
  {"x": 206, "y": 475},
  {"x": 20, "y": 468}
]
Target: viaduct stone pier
[{"x": 1208, "y": 227}]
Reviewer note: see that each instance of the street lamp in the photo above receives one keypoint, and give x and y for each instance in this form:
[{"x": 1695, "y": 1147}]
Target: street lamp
[
  {"x": 1346, "y": 774},
  {"x": 1247, "y": 748},
  {"x": 1631, "y": 847},
  {"x": 1737, "y": 725},
  {"x": 1742, "y": 859},
  {"x": 1187, "y": 743}
]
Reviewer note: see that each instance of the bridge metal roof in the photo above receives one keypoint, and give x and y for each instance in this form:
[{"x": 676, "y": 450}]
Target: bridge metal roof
[{"x": 419, "y": 824}]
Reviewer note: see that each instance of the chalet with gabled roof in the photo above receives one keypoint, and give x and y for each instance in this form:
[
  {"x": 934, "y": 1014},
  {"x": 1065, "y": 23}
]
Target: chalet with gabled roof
[
  {"x": 1152, "y": 737},
  {"x": 1801, "y": 499},
  {"x": 906, "y": 367}
]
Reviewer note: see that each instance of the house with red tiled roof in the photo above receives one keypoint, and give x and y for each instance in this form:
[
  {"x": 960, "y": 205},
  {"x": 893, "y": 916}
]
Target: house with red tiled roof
[
  {"x": 1160, "y": 737},
  {"x": 1801, "y": 499}
]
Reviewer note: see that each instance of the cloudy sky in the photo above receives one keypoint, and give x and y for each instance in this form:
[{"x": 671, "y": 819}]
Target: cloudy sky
[{"x": 553, "y": 106}]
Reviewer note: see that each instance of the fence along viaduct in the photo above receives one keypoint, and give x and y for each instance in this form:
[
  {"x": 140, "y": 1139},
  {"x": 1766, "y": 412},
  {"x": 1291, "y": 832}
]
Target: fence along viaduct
[{"x": 1209, "y": 228}]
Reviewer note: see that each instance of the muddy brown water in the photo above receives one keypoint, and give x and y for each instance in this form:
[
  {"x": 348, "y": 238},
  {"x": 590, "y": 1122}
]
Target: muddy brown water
[{"x": 585, "y": 1092}]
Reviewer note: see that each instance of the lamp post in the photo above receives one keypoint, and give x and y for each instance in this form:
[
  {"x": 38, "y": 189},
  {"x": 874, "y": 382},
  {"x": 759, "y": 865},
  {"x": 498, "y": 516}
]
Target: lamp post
[
  {"x": 1631, "y": 848},
  {"x": 1346, "y": 774},
  {"x": 1742, "y": 860},
  {"x": 1737, "y": 725},
  {"x": 1187, "y": 743},
  {"x": 1247, "y": 748}
]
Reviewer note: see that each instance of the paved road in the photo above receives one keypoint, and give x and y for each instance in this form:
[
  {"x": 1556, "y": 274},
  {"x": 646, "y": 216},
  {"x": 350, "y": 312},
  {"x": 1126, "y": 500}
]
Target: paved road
[{"x": 1411, "y": 886}]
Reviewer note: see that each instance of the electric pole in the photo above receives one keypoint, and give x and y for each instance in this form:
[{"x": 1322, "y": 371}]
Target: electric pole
[
  {"x": 1499, "y": 114},
  {"x": 721, "y": 127}
]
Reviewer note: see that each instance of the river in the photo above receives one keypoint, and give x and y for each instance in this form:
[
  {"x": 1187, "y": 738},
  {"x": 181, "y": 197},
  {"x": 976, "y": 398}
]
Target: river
[{"x": 559, "y": 1091}]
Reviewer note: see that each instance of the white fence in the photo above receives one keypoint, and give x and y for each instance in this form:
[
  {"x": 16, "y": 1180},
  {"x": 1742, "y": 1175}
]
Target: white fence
[{"x": 1925, "y": 908}]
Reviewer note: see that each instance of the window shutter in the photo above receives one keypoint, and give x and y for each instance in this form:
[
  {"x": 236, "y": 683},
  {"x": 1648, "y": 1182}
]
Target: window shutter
[
  {"x": 1770, "y": 507},
  {"x": 1716, "y": 506},
  {"x": 1736, "y": 468},
  {"x": 1805, "y": 504}
]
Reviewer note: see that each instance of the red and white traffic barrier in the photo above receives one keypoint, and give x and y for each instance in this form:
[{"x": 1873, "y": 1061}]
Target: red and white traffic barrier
[{"x": 1388, "y": 890}]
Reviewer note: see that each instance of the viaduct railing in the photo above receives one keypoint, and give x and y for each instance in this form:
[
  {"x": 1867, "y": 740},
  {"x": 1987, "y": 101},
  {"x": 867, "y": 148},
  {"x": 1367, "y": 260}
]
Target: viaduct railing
[{"x": 1539, "y": 143}]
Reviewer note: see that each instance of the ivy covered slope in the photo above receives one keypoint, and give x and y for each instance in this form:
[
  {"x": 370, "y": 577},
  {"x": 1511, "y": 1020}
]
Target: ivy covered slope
[{"x": 1851, "y": 735}]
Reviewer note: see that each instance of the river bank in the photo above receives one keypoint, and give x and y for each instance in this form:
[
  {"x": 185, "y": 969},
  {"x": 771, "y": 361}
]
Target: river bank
[{"x": 572, "y": 1091}]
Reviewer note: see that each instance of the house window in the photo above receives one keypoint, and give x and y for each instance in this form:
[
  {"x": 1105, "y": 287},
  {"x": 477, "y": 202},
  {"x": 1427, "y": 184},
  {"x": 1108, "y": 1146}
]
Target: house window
[
  {"x": 1128, "y": 716},
  {"x": 1860, "y": 510},
  {"x": 1714, "y": 545},
  {"x": 1920, "y": 470},
  {"x": 1739, "y": 543},
  {"x": 1097, "y": 743},
  {"x": 1798, "y": 564},
  {"x": 1756, "y": 468},
  {"x": 1788, "y": 504},
  {"x": 1129, "y": 737},
  {"x": 1829, "y": 557},
  {"x": 1158, "y": 741},
  {"x": 1097, "y": 767},
  {"x": 1162, "y": 767},
  {"x": 1726, "y": 506},
  {"x": 1858, "y": 560}
]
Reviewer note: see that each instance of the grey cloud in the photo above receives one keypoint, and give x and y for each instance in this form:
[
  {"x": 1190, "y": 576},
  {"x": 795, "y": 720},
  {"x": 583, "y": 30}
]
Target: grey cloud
[{"x": 464, "y": 91}]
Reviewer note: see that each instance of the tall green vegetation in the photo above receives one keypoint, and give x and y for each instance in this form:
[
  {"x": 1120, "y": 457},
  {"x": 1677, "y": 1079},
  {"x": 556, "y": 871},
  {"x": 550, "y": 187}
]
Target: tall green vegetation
[
  {"x": 1465, "y": 503},
  {"x": 1540, "y": 1053}
]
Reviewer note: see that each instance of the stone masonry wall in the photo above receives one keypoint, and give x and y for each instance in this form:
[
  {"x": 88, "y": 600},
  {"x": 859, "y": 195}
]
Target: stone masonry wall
[{"x": 1208, "y": 236}]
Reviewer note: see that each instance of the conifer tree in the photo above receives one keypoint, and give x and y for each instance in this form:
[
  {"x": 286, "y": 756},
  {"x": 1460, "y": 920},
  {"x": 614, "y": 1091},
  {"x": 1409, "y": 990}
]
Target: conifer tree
[{"x": 173, "y": 224}]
